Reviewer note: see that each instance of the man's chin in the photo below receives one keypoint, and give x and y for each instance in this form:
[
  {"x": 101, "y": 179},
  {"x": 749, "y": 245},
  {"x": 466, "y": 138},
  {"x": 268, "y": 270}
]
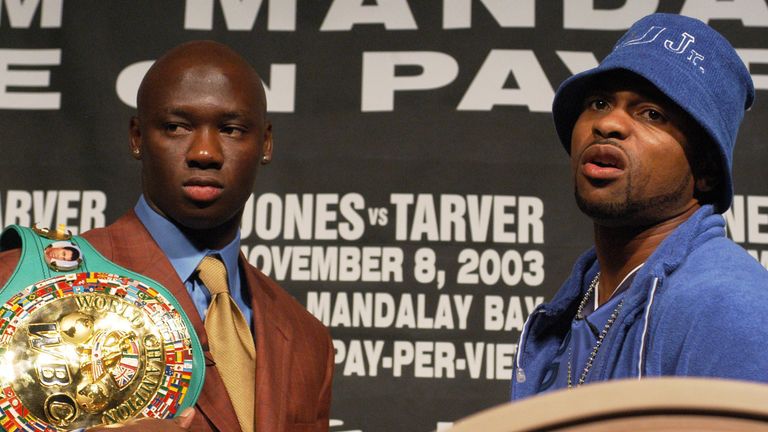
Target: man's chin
[
  {"x": 605, "y": 212},
  {"x": 628, "y": 213},
  {"x": 199, "y": 220}
]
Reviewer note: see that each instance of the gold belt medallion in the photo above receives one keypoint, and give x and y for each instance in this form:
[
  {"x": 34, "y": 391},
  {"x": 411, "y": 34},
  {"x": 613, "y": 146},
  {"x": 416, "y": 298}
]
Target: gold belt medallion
[{"x": 88, "y": 348}]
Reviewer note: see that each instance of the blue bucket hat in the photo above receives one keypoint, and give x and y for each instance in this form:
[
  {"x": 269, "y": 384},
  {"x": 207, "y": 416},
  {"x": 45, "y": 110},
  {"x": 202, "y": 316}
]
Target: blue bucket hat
[{"x": 688, "y": 61}]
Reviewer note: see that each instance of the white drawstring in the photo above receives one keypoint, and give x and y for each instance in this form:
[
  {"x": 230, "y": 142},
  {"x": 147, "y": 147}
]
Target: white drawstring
[{"x": 645, "y": 329}]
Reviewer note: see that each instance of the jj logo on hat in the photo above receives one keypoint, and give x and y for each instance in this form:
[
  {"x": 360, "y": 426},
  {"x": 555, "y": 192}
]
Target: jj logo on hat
[{"x": 680, "y": 46}]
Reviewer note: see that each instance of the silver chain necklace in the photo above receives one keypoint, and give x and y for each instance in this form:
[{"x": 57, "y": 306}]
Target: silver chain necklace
[{"x": 600, "y": 337}]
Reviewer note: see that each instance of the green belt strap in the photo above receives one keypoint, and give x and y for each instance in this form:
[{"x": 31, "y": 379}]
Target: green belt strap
[{"x": 32, "y": 268}]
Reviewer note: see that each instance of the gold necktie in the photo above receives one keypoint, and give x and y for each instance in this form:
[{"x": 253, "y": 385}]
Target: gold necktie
[{"x": 230, "y": 341}]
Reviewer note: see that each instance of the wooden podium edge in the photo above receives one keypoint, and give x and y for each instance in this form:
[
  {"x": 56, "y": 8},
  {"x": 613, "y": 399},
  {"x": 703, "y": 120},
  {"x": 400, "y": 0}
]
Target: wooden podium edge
[{"x": 623, "y": 398}]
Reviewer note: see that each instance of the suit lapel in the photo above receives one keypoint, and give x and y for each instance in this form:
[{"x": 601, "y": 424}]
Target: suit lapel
[
  {"x": 142, "y": 255},
  {"x": 273, "y": 359}
]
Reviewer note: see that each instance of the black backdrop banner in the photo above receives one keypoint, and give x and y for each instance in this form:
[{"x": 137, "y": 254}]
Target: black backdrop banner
[{"x": 419, "y": 202}]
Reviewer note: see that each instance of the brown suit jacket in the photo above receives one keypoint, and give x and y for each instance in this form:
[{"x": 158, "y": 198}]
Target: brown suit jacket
[{"x": 294, "y": 354}]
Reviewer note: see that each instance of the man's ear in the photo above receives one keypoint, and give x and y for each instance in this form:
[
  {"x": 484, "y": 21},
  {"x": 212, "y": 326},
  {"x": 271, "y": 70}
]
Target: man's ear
[
  {"x": 707, "y": 179},
  {"x": 134, "y": 138},
  {"x": 706, "y": 183},
  {"x": 706, "y": 171},
  {"x": 266, "y": 147}
]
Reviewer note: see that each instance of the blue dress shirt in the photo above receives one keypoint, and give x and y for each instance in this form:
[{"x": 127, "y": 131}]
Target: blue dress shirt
[{"x": 185, "y": 257}]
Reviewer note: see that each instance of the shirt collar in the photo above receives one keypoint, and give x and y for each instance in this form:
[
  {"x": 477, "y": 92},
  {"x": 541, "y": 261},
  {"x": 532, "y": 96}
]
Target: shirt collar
[
  {"x": 623, "y": 286},
  {"x": 181, "y": 252}
]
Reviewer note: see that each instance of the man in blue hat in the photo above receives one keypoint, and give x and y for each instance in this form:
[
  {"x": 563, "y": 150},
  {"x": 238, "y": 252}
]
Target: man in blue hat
[{"x": 650, "y": 133}]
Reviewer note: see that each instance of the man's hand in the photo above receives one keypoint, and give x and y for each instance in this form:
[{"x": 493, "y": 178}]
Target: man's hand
[{"x": 180, "y": 423}]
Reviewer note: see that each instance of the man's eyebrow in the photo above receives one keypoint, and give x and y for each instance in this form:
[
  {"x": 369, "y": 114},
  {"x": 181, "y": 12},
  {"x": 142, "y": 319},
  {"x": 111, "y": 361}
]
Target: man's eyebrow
[
  {"x": 649, "y": 94},
  {"x": 245, "y": 118},
  {"x": 180, "y": 112},
  {"x": 237, "y": 115}
]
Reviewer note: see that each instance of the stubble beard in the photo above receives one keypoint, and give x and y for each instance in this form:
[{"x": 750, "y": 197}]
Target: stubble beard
[{"x": 630, "y": 210}]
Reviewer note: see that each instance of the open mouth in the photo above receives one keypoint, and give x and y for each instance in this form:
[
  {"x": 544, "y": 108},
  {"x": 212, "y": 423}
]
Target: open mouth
[{"x": 603, "y": 162}]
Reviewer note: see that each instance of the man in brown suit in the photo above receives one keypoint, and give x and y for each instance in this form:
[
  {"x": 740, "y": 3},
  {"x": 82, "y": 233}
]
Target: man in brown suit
[{"x": 200, "y": 135}]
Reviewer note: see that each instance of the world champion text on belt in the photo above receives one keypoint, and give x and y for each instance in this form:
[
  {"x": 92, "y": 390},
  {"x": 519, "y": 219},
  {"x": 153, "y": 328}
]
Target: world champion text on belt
[{"x": 86, "y": 342}]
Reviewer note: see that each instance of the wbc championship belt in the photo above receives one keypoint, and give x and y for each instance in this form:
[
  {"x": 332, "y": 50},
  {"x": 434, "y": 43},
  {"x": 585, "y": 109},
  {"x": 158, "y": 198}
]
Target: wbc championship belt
[{"x": 84, "y": 341}]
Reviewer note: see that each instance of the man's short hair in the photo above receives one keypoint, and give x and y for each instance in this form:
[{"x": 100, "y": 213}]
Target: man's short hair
[{"x": 75, "y": 252}]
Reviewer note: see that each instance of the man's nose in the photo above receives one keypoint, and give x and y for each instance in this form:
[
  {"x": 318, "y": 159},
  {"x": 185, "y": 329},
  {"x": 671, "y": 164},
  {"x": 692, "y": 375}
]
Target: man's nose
[
  {"x": 205, "y": 150},
  {"x": 615, "y": 123}
]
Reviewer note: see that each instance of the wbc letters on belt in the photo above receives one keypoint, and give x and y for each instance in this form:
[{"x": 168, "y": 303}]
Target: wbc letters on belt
[{"x": 85, "y": 342}]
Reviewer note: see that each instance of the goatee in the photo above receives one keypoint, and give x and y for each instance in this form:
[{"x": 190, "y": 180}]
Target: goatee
[{"x": 629, "y": 208}]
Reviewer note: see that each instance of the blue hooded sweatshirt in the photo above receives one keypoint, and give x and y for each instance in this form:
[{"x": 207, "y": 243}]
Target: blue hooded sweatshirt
[{"x": 698, "y": 307}]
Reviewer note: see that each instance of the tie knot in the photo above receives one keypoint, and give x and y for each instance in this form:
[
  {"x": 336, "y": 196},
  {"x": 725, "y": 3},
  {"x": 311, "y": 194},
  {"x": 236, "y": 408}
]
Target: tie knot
[{"x": 213, "y": 274}]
